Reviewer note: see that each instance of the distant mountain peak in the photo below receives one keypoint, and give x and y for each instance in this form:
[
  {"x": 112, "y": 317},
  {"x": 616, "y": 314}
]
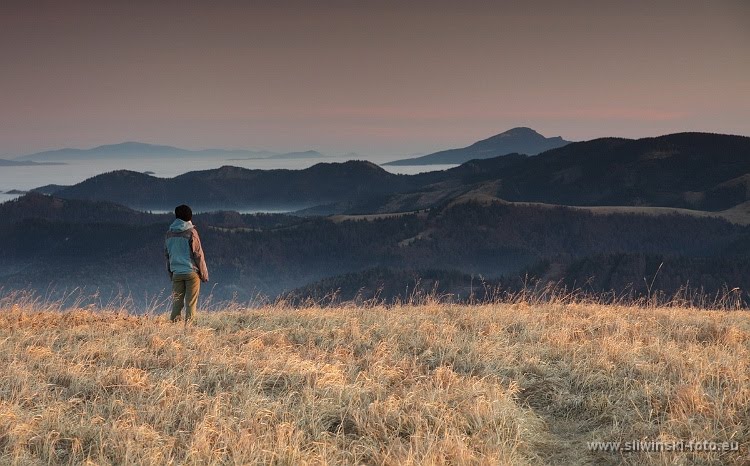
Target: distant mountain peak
[
  {"x": 522, "y": 140},
  {"x": 520, "y": 131},
  {"x": 523, "y": 132}
]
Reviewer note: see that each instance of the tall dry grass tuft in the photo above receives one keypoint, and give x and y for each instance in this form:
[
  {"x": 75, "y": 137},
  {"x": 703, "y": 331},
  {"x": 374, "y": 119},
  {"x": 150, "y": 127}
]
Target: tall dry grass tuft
[{"x": 502, "y": 383}]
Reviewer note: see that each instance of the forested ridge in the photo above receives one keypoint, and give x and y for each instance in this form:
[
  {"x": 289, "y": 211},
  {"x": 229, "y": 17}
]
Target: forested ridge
[{"x": 505, "y": 244}]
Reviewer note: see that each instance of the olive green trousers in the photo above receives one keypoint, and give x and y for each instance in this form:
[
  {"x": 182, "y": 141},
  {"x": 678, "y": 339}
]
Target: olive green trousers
[{"x": 185, "y": 289}]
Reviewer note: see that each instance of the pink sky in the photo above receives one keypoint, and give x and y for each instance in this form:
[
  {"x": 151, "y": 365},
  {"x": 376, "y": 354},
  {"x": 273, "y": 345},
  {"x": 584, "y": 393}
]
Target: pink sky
[{"x": 376, "y": 77}]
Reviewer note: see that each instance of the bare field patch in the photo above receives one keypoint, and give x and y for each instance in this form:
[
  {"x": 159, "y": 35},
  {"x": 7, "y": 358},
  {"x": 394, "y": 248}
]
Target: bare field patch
[{"x": 432, "y": 384}]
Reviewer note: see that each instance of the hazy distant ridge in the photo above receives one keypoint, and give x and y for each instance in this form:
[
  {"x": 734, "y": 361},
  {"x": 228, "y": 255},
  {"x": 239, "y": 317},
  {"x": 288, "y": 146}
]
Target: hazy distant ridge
[{"x": 143, "y": 150}]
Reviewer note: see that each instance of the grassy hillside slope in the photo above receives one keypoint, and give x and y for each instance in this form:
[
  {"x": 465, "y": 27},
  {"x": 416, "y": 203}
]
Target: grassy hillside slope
[{"x": 433, "y": 384}]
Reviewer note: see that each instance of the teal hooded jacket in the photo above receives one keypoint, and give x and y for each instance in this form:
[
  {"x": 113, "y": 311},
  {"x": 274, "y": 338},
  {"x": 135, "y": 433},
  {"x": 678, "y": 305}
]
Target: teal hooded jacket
[{"x": 183, "y": 250}]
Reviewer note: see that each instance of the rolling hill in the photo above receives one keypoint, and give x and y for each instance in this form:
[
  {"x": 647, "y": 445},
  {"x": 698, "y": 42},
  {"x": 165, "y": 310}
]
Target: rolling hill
[
  {"x": 699, "y": 171},
  {"x": 239, "y": 188}
]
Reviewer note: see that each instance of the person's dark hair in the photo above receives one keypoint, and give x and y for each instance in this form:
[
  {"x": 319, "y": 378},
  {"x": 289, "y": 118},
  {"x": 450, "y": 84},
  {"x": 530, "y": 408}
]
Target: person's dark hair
[{"x": 183, "y": 212}]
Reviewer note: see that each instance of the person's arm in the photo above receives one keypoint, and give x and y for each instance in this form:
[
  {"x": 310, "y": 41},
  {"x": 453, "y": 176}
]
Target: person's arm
[
  {"x": 166, "y": 256},
  {"x": 197, "y": 251}
]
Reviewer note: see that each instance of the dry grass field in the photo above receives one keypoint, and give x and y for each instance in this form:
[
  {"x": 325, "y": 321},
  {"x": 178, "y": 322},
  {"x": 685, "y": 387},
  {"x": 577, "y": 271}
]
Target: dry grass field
[{"x": 431, "y": 384}]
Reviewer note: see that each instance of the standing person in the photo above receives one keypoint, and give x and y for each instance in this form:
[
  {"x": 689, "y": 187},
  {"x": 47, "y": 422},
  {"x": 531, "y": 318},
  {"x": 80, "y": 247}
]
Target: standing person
[{"x": 185, "y": 263}]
